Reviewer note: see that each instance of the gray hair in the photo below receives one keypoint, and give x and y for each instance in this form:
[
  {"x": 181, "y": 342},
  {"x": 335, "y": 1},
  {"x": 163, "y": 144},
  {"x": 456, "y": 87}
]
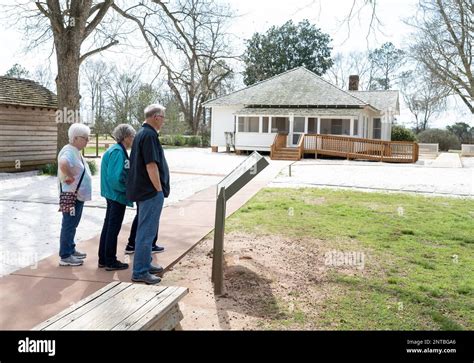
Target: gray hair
[
  {"x": 154, "y": 109},
  {"x": 76, "y": 130},
  {"x": 123, "y": 131}
]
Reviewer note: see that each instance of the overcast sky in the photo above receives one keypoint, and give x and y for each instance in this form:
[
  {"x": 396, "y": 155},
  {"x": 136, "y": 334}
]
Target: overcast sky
[{"x": 258, "y": 16}]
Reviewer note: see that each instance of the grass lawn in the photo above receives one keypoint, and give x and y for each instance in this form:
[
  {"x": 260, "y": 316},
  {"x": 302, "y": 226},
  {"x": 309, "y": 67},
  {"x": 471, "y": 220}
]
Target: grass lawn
[{"x": 418, "y": 268}]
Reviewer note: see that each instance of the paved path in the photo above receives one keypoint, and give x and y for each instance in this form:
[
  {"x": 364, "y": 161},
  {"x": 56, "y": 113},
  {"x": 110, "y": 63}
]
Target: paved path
[
  {"x": 447, "y": 160},
  {"x": 32, "y": 294},
  {"x": 375, "y": 176}
]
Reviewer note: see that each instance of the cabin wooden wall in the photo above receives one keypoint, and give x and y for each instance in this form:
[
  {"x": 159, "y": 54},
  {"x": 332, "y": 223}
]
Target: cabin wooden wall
[{"x": 27, "y": 137}]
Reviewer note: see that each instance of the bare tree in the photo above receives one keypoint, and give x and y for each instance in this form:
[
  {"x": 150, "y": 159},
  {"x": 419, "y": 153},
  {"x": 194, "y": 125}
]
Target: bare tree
[
  {"x": 192, "y": 48},
  {"x": 356, "y": 62},
  {"x": 444, "y": 44},
  {"x": 95, "y": 75},
  {"x": 424, "y": 96}
]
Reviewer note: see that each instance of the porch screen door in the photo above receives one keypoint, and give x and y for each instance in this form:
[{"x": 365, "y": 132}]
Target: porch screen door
[{"x": 298, "y": 130}]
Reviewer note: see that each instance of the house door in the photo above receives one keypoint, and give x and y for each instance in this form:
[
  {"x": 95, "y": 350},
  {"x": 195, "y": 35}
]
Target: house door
[{"x": 297, "y": 131}]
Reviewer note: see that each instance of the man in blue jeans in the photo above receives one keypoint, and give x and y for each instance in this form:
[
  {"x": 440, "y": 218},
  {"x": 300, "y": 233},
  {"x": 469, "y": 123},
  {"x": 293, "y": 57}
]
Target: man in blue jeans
[{"x": 148, "y": 184}]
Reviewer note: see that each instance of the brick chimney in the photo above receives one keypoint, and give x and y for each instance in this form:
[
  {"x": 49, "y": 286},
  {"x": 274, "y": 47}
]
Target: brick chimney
[{"x": 354, "y": 83}]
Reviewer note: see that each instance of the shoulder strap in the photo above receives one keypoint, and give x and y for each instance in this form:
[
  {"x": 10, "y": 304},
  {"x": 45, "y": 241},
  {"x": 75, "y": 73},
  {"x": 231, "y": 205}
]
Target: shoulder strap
[
  {"x": 82, "y": 176},
  {"x": 80, "y": 181}
]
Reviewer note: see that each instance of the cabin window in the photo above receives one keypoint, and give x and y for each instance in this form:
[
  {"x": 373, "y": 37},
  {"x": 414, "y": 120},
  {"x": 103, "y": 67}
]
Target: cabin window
[
  {"x": 265, "y": 123},
  {"x": 248, "y": 124},
  {"x": 312, "y": 125},
  {"x": 377, "y": 128},
  {"x": 281, "y": 124},
  {"x": 356, "y": 127},
  {"x": 298, "y": 125}
]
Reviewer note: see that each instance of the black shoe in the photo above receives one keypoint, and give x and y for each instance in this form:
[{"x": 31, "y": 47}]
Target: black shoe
[
  {"x": 100, "y": 265},
  {"x": 129, "y": 249},
  {"x": 155, "y": 269},
  {"x": 157, "y": 249},
  {"x": 117, "y": 265}
]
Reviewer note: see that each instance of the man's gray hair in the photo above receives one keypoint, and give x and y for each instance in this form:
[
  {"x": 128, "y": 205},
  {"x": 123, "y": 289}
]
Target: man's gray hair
[
  {"x": 154, "y": 109},
  {"x": 76, "y": 130},
  {"x": 123, "y": 131}
]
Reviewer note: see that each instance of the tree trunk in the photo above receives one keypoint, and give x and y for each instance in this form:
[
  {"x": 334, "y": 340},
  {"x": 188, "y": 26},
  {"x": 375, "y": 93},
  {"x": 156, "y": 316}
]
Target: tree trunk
[{"x": 67, "y": 83}]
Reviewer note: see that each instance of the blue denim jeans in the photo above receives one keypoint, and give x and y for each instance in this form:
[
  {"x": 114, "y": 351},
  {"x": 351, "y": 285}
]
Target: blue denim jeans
[
  {"x": 148, "y": 225},
  {"x": 68, "y": 230},
  {"x": 110, "y": 231}
]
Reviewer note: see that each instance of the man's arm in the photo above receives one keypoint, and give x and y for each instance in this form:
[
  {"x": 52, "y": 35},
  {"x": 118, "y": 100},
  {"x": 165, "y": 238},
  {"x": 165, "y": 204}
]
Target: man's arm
[{"x": 154, "y": 174}]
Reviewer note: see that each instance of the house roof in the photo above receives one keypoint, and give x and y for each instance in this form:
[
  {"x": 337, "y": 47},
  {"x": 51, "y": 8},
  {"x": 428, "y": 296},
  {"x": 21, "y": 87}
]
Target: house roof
[
  {"x": 25, "y": 92},
  {"x": 383, "y": 100},
  {"x": 296, "y": 87},
  {"x": 310, "y": 112}
]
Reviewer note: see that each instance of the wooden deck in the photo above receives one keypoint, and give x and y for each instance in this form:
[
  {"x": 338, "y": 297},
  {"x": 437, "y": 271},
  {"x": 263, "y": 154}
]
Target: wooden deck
[{"x": 346, "y": 147}]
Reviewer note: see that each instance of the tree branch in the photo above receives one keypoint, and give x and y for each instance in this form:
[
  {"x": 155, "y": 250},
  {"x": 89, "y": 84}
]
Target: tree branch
[{"x": 88, "y": 54}]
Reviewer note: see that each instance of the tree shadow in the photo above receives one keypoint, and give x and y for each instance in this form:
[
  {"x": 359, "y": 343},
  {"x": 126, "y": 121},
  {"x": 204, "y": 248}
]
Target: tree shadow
[{"x": 246, "y": 293}]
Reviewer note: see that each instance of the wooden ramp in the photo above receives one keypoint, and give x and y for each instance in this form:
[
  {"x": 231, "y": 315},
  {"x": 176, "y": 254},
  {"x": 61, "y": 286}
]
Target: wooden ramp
[{"x": 346, "y": 147}]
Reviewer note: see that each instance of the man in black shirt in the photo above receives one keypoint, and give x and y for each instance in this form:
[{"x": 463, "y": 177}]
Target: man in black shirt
[{"x": 148, "y": 184}]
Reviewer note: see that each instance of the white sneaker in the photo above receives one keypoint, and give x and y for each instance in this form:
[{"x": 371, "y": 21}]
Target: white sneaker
[{"x": 70, "y": 261}]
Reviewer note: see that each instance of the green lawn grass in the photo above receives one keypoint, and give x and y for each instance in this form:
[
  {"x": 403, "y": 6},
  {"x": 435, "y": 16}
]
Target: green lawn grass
[{"x": 420, "y": 271}]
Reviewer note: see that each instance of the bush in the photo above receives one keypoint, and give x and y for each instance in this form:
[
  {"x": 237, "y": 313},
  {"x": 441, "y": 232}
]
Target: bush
[
  {"x": 92, "y": 166},
  {"x": 444, "y": 138},
  {"x": 194, "y": 140},
  {"x": 166, "y": 140},
  {"x": 401, "y": 133},
  {"x": 50, "y": 169},
  {"x": 179, "y": 140}
]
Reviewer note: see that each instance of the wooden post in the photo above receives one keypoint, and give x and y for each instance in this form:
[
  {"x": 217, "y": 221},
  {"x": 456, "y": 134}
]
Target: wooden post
[{"x": 218, "y": 251}]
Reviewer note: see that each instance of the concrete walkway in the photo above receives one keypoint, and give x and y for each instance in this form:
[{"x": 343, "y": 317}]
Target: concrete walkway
[
  {"x": 33, "y": 294},
  {"x": 447, "y": 160}
]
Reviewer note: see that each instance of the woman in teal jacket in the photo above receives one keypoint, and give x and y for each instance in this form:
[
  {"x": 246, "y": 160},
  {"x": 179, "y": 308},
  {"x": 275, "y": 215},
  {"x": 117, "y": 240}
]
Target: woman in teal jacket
[{"x": 113, "y": 178}]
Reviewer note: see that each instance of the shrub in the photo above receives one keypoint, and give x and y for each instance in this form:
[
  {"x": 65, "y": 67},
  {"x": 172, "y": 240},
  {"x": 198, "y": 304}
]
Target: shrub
[
  {"x": 179, "y": 140},
  {"x": 194, "y": 140},
  {"x": 205, "y": 133},
  {"x": 166, "y": 140},
  {"x": 444, "y": 138},
  {"x": 401, "y": 133},
  {"x": 50, "y": 169},
  {"x": 92, "y": 166}
]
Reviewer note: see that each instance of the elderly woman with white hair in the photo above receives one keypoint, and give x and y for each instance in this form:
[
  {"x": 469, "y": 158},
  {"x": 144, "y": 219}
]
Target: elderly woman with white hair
[
  {"x": 74, "y": 178},
  {"x": 113, "y": 177}
]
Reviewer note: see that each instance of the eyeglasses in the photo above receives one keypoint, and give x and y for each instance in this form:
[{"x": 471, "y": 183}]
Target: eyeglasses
[{"x": 84, "y": 137}]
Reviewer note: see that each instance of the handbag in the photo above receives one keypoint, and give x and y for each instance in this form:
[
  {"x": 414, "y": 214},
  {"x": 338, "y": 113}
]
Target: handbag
[{"x": 67, "y": 200}]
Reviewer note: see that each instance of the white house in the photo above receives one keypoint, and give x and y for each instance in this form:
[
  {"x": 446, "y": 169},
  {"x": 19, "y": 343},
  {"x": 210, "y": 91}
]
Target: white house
[{"x": 299, "y": 102}]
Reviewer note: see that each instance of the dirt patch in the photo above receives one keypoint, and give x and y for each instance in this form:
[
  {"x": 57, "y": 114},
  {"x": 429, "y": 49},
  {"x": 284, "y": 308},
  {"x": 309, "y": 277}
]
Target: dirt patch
[{"x": 270, "y": 281}]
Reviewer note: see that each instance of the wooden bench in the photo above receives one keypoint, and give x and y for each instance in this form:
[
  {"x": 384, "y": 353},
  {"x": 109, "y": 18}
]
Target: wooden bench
[{"x": 122, "y": 306}]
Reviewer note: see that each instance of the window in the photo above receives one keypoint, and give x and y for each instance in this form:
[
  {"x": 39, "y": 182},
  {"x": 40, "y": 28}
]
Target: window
[
  {"x": 377, "y": 128},
  {"x": 312, "y": 125},
  {"x": 265, "y": 124},
  {"x": 280, "y": 124},
  {"x": 298, "y": 124},
  {"x": 248, "y": 124},
  {"x": 356, "y": 127},
  {"x": 336, "y": 127}
]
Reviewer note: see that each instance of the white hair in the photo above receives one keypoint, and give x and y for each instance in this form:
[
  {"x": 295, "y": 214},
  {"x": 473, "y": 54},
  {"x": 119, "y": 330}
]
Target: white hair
[
  {"x": 154, "y": 109},
  {"x": 123, "y": 131},
  {"x": 78, "y": 130}
]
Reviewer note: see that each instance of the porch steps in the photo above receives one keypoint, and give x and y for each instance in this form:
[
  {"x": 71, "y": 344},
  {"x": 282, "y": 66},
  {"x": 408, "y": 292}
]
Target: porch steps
[{"x": 286, "y": 153}]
